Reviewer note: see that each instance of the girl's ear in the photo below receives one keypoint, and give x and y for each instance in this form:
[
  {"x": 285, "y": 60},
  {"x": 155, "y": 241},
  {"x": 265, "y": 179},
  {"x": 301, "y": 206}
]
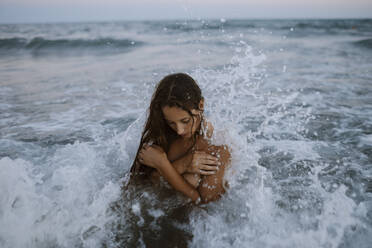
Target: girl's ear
[{"x": 201, "y": 104}]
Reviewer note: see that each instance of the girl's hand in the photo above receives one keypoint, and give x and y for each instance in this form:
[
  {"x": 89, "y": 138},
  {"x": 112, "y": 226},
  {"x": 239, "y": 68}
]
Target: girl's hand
[
  {"x": 204, "y": 164},
  {"x": 153, "y": 156}
]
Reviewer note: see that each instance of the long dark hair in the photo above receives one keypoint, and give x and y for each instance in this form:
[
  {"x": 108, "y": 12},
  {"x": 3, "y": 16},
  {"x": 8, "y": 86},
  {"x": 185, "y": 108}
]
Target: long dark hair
[{"x": 175, "y": 90}]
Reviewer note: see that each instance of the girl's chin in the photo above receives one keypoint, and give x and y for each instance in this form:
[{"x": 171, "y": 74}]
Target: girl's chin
[{"x": 187, "y": 136}]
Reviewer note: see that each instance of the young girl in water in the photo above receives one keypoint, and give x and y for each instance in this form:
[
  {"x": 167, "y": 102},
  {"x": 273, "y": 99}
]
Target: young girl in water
[{"x": 176, "y": 145}]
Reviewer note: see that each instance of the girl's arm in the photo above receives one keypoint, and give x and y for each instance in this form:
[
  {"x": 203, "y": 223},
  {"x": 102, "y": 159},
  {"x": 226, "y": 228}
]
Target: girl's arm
[
  {"x": 156, "y": 158},
  {"x": 191, "y": 166},
  {"x": 177, "y": 181},
  {"x": 182, "y": 163}
]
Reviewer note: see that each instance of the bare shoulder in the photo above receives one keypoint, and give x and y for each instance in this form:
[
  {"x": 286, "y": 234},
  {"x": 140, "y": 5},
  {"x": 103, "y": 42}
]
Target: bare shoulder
[
  {"x": 222, "y": 152},
  {"x": 204, "y": 144}
]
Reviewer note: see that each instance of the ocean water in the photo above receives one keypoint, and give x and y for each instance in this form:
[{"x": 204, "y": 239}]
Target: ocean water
[{"x": 291, "y": 98}]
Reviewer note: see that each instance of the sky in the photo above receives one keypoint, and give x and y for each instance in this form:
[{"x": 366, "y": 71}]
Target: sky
[{"x": 42, "y": 11}]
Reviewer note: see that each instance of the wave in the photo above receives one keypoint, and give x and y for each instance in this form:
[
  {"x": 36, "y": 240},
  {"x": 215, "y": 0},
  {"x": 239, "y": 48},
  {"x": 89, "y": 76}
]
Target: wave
[
  {"x": 327, "y": 27},
  {"x": 366, "y": 43},
  {"x": 39, "y": 43},
  {"x": 306, "y": 25},
  {"x": 323, "y": 25},
  {"x": 205, "y": 25}
]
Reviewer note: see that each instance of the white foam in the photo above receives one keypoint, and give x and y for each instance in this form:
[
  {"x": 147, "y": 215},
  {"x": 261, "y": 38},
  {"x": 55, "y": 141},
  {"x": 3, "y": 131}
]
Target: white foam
[
  {"x": 67, "y": 207},
  {"x": 65, "y": 202},
  {"x": 249, "y": 215}
]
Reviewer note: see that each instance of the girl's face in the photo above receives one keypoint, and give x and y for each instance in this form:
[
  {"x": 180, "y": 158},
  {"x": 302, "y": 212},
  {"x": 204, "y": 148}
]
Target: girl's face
[{"x": 181, "y": 121}]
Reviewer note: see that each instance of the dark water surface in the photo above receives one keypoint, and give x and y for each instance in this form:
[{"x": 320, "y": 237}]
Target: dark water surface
[{"x": 291, "y": 98}]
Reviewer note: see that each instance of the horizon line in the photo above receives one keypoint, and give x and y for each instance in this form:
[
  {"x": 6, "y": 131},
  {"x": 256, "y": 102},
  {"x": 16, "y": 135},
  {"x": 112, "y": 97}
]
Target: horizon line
[{"x": 188, "y": 19}]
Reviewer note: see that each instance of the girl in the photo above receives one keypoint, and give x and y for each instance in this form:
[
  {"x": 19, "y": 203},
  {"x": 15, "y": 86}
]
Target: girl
[{"x": 176, "y": 145}]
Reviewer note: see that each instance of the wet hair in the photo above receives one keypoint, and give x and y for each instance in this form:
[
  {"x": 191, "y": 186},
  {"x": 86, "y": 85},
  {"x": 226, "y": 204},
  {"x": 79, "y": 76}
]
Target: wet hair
[{"x": 175, "y": 90}]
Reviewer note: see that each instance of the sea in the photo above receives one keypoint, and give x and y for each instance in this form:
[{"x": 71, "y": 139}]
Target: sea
[{"x": 292, "y": 99}]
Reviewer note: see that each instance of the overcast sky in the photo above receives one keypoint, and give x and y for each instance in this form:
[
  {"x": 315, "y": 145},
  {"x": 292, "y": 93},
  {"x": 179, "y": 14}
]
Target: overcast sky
[{"x": 27, "y": 11}]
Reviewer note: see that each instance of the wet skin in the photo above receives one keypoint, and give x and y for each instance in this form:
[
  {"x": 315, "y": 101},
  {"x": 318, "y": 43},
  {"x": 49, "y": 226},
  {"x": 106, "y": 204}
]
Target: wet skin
[
  {"x": 202, "y": 168},
  {"x": 212, "y": 186}
]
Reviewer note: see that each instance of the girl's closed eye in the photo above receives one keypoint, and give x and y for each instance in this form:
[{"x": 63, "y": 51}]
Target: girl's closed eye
[
  {"x": 185, "y": 121},
  {"x": 170, "y": 123}
]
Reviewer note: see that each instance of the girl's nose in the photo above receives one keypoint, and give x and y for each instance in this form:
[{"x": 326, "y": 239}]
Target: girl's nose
[{"x": 180, "y": 130}]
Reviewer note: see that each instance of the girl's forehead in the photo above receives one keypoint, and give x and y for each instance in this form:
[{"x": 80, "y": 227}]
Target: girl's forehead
[{"x": 174, "y": 113}]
